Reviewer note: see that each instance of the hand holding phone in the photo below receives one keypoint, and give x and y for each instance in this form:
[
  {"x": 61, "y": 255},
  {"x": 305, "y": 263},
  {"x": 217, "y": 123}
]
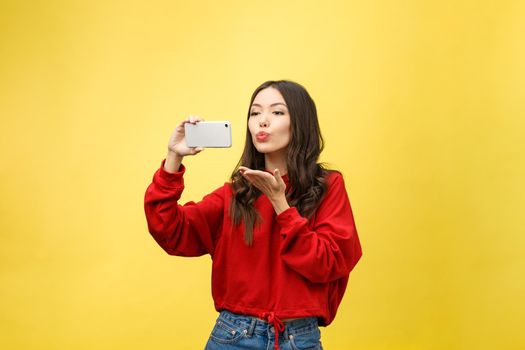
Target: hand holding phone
[{"x": 177, "y": 142}]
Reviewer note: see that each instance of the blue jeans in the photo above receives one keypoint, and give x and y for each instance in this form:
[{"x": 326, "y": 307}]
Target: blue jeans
[{"x": 238, "y": 332}]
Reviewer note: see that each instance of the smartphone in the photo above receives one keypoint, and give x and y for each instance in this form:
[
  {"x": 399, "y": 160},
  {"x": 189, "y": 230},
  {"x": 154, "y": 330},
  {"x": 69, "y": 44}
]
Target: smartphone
[{"x": 216, "y": 134}]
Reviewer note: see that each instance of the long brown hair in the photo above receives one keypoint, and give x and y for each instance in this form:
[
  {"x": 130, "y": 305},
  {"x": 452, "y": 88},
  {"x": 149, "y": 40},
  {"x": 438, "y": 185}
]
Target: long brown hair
[{"x": 306, "y": 177}]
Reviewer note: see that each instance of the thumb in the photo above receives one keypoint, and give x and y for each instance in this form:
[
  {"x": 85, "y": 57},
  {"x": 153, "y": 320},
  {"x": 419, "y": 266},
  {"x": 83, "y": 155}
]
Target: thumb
[{"x": 277, "y": 175}]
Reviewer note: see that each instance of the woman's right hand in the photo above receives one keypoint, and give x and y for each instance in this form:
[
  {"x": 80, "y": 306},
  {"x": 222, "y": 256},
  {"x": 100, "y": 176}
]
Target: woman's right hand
[
  {"x": 177, "y": 143},
  {"x": 177, "y": 148}
]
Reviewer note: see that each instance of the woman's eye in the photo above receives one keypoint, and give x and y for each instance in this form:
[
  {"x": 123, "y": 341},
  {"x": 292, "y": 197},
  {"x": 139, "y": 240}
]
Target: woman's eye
[
  {"x": 253, "y": 113},
  {"x": 278, "y": 113}
]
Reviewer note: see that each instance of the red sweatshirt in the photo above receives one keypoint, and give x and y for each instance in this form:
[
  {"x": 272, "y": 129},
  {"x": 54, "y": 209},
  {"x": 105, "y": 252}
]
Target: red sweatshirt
[{"x": 295, "y": 267}]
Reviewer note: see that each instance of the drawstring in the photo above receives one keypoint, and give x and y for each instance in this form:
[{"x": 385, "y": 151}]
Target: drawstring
[{"x": 278, "y": 325}]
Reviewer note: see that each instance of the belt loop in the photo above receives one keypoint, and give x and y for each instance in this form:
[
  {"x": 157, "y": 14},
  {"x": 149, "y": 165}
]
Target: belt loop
[
  {"x": 252, "y": 327},
  {"x": 285, "y": 334}
]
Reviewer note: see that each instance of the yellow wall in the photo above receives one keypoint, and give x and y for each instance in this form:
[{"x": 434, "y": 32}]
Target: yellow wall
[{"x": 421, "y": 104}]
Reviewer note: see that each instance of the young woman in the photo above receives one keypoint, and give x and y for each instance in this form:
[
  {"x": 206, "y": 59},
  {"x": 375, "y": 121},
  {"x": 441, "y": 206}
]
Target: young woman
[{"x": 281, "y": 233}]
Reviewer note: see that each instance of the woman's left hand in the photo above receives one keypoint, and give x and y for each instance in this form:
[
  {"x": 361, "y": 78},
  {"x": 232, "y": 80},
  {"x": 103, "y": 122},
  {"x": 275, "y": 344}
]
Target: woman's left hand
[{"x": 272, "y": 186}]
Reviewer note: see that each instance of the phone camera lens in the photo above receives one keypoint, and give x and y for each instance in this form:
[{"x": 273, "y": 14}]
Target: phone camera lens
[{"x": 225, "y": 125}]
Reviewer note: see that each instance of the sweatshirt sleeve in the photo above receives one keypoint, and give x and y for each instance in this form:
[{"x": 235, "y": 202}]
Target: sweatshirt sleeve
[
  {"x": 191, "y": 229},
  {"x": 329, "y": 250}
]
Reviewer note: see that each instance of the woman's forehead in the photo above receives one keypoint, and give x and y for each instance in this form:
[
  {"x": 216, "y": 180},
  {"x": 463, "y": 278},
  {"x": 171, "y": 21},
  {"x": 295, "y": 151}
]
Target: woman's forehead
[{"x": 268, "y": 97}]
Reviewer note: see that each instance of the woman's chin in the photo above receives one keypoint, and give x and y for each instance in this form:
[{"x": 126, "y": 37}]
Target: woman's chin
[
  {"x": 264, "y": 149},
  {"x": 267, "y": 149}
]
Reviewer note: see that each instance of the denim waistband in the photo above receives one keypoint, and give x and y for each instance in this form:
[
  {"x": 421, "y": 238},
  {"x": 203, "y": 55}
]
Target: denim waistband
[{"x": 257, "y": 325}]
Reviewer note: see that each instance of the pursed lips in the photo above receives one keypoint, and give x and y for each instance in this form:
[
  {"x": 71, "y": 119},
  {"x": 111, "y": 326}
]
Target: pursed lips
[{"x": 262, "y": 136}]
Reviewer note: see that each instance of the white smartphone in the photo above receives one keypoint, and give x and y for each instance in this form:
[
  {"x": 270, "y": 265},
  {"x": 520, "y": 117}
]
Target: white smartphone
[{"x": 216, "y": 134}]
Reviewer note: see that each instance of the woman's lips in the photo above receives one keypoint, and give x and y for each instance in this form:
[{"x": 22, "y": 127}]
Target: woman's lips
[{"x": 262, "y": 136}]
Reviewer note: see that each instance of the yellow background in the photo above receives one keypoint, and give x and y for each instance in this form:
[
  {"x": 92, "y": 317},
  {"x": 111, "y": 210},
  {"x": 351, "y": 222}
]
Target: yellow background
[{"x": 422, "y": 107}]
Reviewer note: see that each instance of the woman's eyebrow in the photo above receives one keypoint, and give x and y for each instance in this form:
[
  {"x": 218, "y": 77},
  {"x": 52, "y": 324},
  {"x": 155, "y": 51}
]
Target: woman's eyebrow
[{"x": 273, "y": 104}]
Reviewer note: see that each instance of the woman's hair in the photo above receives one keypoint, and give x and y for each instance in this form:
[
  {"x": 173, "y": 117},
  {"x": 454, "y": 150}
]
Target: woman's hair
[{"x": 306, "y": 177}]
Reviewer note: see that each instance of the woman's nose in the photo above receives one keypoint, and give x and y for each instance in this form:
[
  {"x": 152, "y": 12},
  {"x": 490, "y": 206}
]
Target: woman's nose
[{"x": 263, "y": 122}]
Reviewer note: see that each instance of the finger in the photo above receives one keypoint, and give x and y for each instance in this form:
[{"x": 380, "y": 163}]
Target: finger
[
  {"x": 254, "y": 172},
  {"x": 247, "y": 177},
  {"x": 181, "y": 124},
  {"x": 264, "y": 175},
  {"x": 253, "y": 180},
  {"x": 261, "y": 179},
  {"x": 246, "y": 174},
  {"x": 186, "y": 121},
  {"x": 251, "y": 173},
  {"x": 278, "y": 177},
  {"x": 195, "y": 150},
  {"x": 250, "y": 176},
  {"x": 194, "y": 119},
  {"x": 258, "y": 181}
]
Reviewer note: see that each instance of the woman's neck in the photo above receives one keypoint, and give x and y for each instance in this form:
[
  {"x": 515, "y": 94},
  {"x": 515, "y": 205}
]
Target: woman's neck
[{"x": 276, "y": 160}]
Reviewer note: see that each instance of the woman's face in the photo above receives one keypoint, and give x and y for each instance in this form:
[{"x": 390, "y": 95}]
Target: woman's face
[{"x": 269, "y": 121}]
